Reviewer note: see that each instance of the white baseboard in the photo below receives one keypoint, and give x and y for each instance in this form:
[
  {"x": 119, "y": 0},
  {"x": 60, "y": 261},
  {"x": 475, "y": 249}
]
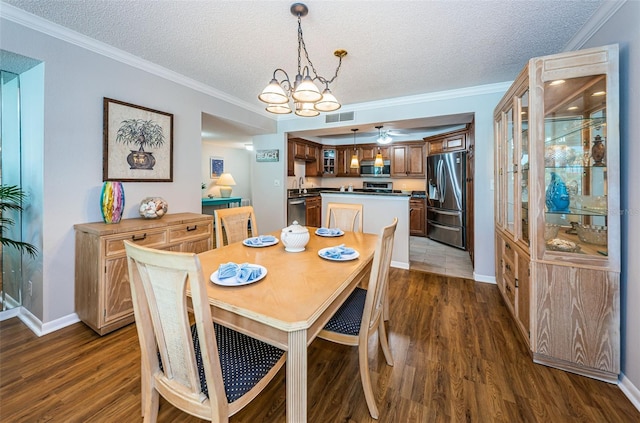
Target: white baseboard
[
  {"x": 630, "y": 391},
  {"x": 40, "y": 328},
  {"x": 484, "y": 278},
  {"x": 400, "y": 264},
  {"x": 8, "y": 314}
]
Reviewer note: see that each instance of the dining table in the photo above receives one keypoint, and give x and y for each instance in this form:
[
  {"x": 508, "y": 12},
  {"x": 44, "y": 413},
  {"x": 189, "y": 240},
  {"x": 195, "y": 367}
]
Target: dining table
[{"x": 292, "y": 302}]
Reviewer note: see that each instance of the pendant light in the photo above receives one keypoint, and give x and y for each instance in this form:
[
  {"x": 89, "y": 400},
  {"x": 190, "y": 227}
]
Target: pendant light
[
  {"x": 354, "y": 159},
  {"x": 378, "y": 162}
]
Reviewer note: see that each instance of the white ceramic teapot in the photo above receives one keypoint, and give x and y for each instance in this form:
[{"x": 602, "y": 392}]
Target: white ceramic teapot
[{"x": 294, "y": 237}]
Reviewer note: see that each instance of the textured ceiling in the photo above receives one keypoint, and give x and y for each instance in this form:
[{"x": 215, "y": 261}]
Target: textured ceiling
[{"x": 396, "y": 48}]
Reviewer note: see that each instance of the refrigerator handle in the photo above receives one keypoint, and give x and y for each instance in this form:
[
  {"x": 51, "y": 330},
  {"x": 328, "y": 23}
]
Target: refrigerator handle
[{"x": 442, "y": 182}]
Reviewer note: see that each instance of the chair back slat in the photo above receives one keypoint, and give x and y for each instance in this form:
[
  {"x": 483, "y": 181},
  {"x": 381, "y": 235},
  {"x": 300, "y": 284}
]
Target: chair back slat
[
  {"x": 347, "y": 217},
  {"x": 234, "y": 222},
  {"x": 378, "y": 280}
]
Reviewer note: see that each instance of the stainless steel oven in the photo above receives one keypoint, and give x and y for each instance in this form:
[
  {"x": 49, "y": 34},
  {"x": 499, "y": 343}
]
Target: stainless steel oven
[{"x": 297, "y": 210}]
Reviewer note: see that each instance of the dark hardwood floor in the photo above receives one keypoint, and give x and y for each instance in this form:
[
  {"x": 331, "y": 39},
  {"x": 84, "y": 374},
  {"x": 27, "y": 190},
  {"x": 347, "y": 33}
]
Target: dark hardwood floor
[{"x": 457, "y": 358}]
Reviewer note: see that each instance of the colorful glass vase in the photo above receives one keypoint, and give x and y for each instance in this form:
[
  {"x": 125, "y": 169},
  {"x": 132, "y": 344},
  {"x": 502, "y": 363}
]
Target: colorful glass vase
[
  {"x": 557, "y": 195},
  {"x": 112, "y": 201}
]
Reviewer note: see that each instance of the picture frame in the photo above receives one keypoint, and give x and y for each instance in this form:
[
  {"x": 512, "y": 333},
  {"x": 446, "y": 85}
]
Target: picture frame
[
  {"x": 137, "y": 143},
  {"x": 216, "y": 167},
  {"x": 268, "y": 155}
]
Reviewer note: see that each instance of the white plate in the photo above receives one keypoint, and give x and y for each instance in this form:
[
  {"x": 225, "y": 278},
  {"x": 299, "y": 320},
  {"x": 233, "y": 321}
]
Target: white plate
[
  {"x": 329, "y": 235},
  {"x": 264, "y": 244},
  {"x": 233, "y": 281},
  {"x": 343, "y": 257}
]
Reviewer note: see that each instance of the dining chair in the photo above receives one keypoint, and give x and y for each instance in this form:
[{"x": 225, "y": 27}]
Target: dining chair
[
  {"x": 202, "y": 368},
  {"x": 234, "y": 222},
  {"x": 344, "y": 216},
  {"x": 361, "y": 315}
]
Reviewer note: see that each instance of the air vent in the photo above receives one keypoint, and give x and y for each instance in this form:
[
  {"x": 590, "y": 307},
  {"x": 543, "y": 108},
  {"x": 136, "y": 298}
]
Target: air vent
[{"x": 339, "y": 117}]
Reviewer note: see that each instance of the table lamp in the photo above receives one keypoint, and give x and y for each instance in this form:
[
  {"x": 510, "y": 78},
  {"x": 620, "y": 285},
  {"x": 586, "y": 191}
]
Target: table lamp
[{"x": 225, "y": 182}]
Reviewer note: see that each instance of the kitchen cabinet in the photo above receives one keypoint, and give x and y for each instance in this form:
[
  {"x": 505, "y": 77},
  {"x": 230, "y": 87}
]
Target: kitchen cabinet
[
  {"x": 290, "y": 159},
  {"x": 307, "y": 151},
  {"x": 455, "y": 141},
  {"x": 315, "y": 167},
  {"x": 343, "y": 162},
  {"x": 556, "y": 202},
  {"x": 369, "y": 151},
  {"x": 408, "y": 160},
  {"x": 102, "y": 293},
  {"x": 314, "y": 211},
  {"x": 417, "y": 217},
  {"x": 329, "y": 162}
]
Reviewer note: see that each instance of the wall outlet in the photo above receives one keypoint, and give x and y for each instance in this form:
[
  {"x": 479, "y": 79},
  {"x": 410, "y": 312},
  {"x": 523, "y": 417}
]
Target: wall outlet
[{"x": 29, "y": 288}]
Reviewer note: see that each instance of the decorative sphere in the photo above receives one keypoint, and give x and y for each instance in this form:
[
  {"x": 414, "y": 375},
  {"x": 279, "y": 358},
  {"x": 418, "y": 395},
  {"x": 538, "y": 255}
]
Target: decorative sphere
[{"x": 153, "y": 208}]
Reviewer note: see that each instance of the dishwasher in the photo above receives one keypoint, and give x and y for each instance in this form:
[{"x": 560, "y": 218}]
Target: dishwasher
[{"x": 297, "y": 210}]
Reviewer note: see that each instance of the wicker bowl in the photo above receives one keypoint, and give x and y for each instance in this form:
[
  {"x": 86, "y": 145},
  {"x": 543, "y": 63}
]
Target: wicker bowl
[
  {"x": 592, "y": 234},
  {"x": 558, "y": 244}
]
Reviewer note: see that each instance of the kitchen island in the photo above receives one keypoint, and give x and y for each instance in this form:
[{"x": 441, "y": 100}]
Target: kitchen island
[{"x": 378, "y": 211}]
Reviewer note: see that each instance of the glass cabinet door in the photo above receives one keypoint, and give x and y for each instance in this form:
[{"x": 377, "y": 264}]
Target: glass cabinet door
[
  {"x": 575, "y": 165},
  {"x": 523, "y": 154}
]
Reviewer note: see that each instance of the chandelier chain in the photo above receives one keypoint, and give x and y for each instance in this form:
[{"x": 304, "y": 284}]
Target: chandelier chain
[{"x": 306, "y": 55}]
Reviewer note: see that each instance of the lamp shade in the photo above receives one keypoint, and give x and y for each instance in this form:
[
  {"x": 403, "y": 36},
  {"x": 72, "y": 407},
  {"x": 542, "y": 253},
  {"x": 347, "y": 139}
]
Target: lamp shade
[
  {"x": 273, "y": 93},
  {"x": 328, "y": 102},
  {"x": 225, "y": 182},
  {"x": 226, "y": 179},
  {"x": 307, "y": 91},
  {"x": 306, "y": 110},
  {"x": 378, "y": 162}
]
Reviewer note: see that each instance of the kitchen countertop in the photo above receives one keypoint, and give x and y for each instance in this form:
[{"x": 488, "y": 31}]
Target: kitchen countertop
[{"x": 314, "y": 192}]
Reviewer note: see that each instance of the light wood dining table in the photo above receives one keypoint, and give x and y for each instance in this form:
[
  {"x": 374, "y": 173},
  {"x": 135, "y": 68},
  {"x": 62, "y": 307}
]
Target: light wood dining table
[{"x": 292, "y": 303}]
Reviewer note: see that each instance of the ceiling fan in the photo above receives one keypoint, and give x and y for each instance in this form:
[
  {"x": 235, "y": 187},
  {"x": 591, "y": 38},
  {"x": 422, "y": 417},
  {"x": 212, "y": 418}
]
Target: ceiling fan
[{"x": 385, "y": 137}]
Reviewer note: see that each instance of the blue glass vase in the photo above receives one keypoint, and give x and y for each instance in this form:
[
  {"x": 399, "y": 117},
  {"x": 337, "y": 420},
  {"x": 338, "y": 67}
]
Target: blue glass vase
[{"x": 557, "y": 196}]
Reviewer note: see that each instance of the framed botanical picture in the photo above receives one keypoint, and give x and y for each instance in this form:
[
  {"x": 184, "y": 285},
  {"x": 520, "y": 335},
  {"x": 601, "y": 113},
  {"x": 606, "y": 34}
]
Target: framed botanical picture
[
  {"x": 138, "y": 143},
  {"x": 267, "y": 155},
  {"x": 216, "y": 167}
]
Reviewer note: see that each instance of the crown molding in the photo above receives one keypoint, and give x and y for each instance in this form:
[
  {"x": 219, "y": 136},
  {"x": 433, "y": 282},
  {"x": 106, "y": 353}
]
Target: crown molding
[
  {"x": 36, "y": 23},
  {"x": 595, "y": 22}
]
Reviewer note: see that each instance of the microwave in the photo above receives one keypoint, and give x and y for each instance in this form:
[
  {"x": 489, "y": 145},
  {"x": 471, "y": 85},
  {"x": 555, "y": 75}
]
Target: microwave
[{"x": 368, "y": 169}]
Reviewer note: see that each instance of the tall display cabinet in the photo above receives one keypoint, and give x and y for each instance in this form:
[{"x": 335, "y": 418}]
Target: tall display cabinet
[{"x": 558, "y": 209}]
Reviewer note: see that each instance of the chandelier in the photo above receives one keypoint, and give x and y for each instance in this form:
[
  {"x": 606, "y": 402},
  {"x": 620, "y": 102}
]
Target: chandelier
[{"x": 304, "y": 93}]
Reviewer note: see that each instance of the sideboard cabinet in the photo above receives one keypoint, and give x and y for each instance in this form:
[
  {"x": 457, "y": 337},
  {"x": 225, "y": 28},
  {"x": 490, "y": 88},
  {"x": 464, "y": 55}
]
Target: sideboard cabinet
[
  {"x": 102, "y": 294},
  {"x": 557, "y": 209}
]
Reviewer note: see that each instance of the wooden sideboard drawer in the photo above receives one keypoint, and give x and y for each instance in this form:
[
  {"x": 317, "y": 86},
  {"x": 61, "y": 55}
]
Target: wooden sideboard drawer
[
  {"x": 189, "y": 231},
  {"x": 152, "y": 238}
]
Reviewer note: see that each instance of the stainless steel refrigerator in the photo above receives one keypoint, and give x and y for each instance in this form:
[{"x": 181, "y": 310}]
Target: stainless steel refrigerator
[{"x": 446, "y": 198}]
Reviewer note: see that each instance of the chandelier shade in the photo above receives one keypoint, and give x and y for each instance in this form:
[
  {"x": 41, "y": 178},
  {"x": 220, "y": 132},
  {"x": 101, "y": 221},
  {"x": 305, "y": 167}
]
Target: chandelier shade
[
  {"x": 328, "y": 102},
  {"x": 274, "y": 94},
  {"x": 306, "y": 110},
  {"x": 303, "y": 91},
  {"x": 279, "y": 109}
]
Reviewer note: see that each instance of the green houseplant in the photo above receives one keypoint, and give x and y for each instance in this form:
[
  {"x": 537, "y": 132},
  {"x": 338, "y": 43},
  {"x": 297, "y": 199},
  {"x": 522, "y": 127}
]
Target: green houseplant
[
  {"x": 142, "y": 133},
  {"x": 11, "y": 198}
]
